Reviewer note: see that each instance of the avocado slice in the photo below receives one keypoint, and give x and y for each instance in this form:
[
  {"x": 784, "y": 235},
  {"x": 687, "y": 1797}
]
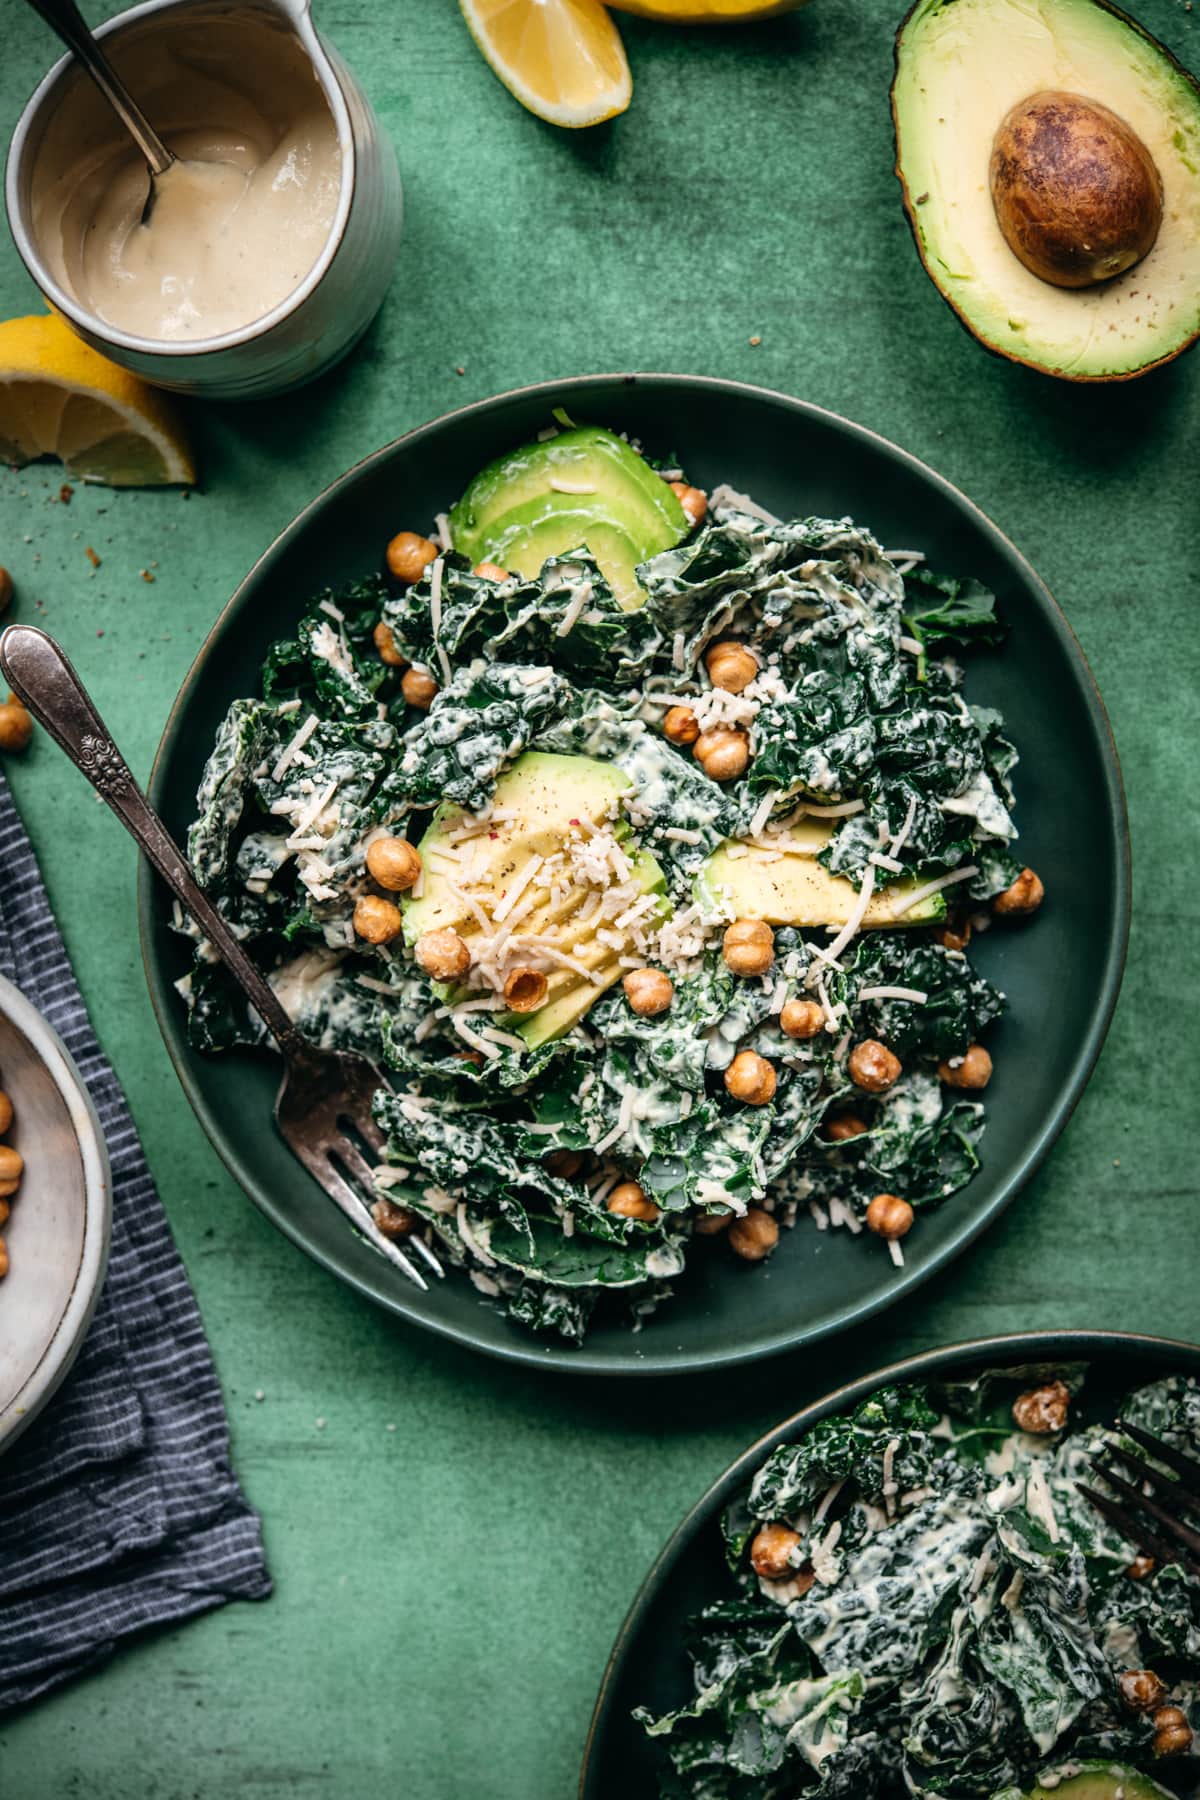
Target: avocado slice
[
  {"x": 543, "y": 795},
  {"x": 583, "y": 487},
  {"x": 1099, "y": 1781},
  {"x": 795, "y": 889},
  {"x": 960, "y": 66}
]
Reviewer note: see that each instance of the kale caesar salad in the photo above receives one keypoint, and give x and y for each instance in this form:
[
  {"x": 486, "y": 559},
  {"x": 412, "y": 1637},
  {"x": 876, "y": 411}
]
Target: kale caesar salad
[
  {"x": 922, "y": 1602},
  {"x": 637, "y": 836}
]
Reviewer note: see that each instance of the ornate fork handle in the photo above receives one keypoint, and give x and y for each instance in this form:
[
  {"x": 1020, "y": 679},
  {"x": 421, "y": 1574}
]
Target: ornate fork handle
[{"x": 41, "y": 676}]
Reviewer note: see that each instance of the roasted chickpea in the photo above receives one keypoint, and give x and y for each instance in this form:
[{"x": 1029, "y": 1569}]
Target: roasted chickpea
[
  {"x": 1172, "y": 1733},
  {"x": 972, "y": 1073},
  {"x": 889, "y": 1217},
  {"x": 394, "y": 863},
  {"x": 629, "y": 1201},
  {"x": 11, "y": 1163},
  {"x": 750, "y": 1078},
  {"x": 491, "y": 571},
  {"x": 711, "y": 1224},
  {"x": 6, "y": 590},
  {"x": 409, "y": 555},
  {"x": 873, "y": 1067},
  {"x": 754, "y": 1235},
  {"x": 16, "y": 725},
  {"x": 1141, "y": 1690},
  {"x": 1023, "y": 897},
  {"x": 385, "y": 643},
  {"x": 731, "y": 666},
  {"x": 376, "y": 920},
  {"x": 566, "y": 1164},
  {"x": 6, "y": 1114},
  {"x": 801, "y": 1019},
  {"x": 525, "y": 990},
  {"x": 693, "y": 500},
  {"x": 419, "y": 688},
  {"x": 771, "y": 1551},
  {"x": 9, "y": 1188},
  {"x": 649, "y": 991},
  {"x": 843, "y": 1126},
  {"x": 1042, "y": 1410},
  {"x": 394, "y": 1221},
  {"x": 955, "y": 934},
  {"x": 3, "y": 1259},
  {"x": 442, "y": 954},
  {"x": 681, "y": 725},
  {"x": 5, "y": 1209},
  {"x": 748, "y": 946},
  {"x": 723, "y": 753},
  {"x": 1141, "y": 1567}
]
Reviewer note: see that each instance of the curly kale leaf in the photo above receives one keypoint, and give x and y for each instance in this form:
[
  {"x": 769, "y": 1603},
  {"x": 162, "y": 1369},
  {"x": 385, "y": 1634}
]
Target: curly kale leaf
[
  {"x": 770, "y": 579},
  {"x": 919, "y": 1144},
  {"x": 568, "y": 615},
  {"x": 942, "y": 609},
  {"x": 475, "y": 727},
  {"x": 959, "y": 1002},
  {"x": 1040, "y": 1646},
  {"x": 849, "y": 1445},
  {"x": 249, "y": 732},
  {"x": 761, "y": 1705}
]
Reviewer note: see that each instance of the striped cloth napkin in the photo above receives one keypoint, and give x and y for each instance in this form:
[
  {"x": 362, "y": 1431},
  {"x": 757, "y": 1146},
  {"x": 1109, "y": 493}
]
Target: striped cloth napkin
[{"x": 118, "y": 1507}]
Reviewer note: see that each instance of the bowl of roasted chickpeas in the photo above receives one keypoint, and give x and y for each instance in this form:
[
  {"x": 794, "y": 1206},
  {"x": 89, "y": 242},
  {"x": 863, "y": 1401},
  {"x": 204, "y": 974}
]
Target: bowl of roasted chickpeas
[{"x": 55, "y": 1212}]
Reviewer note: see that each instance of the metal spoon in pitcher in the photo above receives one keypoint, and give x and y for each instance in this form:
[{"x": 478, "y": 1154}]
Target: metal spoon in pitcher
[{"x": 65, "y": 18}]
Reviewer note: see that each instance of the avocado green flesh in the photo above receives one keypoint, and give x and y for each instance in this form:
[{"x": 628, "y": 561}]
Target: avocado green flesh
[
  {"x": 796, "y": 889},
  {"x": 545, "y": 794},
  {"x": 1102, "y": 1781},
  {"x": 514, "y": 515},
  {"x": 960, "y": 66}
]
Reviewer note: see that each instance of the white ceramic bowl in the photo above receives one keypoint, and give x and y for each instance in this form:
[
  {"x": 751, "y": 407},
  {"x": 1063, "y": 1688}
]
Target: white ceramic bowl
[{"x": 58, "y": 1231}]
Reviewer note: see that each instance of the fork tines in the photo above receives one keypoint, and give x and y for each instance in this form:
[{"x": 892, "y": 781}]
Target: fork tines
[{"x": 1168, "y": 1495}]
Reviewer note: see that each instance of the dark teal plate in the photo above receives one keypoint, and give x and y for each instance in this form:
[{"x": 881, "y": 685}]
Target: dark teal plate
[
  {"x": 648, "y": 1666},
  {"x": 1061, "y": 972}
]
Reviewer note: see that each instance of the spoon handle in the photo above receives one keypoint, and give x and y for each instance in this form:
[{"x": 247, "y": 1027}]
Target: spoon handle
[
  {"x": 65, "y": 18},
  {"x": 41, "y": 676}
]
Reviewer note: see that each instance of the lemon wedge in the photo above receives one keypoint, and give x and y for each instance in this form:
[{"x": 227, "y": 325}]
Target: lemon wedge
[
  {"x": 563, "y": 59},
  {"x": 707, "y": 12},
  {"x": 59, "y": 397}
]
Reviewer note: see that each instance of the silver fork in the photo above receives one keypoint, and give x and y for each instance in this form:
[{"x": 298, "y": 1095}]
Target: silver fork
[
  {"x": 323, "y": 1092},
  {"x": 1173, "y": 1540}
]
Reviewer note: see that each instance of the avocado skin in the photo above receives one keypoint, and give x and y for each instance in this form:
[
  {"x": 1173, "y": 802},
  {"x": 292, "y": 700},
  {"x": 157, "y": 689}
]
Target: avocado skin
[
  {"x": 1174, "y": 67},
  {"x": 1102, "y": 1781},
  {"x": 510, "y": 513}
]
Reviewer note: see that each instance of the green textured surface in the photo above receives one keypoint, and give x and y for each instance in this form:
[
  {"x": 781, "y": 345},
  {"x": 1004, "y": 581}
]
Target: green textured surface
[{"x": 446, "y": 1592}]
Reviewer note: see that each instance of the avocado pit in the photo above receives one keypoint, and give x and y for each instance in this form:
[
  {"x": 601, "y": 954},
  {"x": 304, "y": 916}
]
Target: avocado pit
[{"x": 1077, "y": 194}]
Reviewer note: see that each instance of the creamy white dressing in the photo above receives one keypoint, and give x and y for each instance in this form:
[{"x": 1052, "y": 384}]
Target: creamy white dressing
[{"x": 238, "y": 220}]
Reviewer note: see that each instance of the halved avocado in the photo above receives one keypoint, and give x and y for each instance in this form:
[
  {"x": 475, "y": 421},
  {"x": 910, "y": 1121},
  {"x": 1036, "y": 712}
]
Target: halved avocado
[
  {"x": 961, "y": 65},
  {"x": 583, "y": 487},
  {"x": 544, "y": 795},
  {"x": 743, "y": 882},
  {"x": 1099, "y": 1781}
]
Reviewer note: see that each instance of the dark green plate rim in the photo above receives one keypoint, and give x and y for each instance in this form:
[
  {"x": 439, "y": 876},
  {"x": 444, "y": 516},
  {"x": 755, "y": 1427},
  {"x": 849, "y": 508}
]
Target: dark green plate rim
[
  {"x": 1108, "y": 977},
  {"x": 1009, "y": 1349}
]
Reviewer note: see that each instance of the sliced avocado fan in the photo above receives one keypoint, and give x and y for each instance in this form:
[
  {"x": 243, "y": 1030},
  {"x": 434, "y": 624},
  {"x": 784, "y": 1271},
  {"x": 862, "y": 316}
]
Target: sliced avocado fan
[
  {"x": 539, "y": 799},
  {"x": 742, "y": 881},
  {"x": 961, "y": 65},
  {"x": 581, "y": 488}
]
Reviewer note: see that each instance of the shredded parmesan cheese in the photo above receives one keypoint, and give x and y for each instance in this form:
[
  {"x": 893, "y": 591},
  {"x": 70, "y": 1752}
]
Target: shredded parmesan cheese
[
  {"x": 288, "y": 755},
  {"x": 908, "y": 901}
]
